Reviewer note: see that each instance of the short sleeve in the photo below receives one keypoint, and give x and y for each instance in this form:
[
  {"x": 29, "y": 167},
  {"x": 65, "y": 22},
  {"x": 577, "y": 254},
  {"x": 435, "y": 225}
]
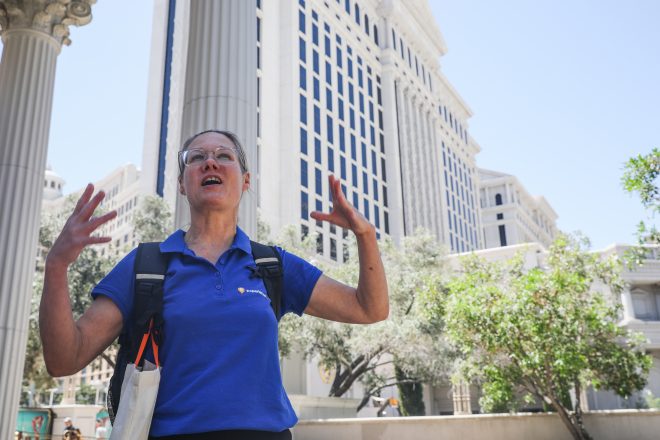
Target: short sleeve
[
  {"x": 298, "y": 282},
  {"x": 118, "y": 285}
]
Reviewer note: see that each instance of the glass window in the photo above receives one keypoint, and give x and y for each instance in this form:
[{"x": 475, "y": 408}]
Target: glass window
[
  {"x": 366, "y": 209},
  {"x": 302, "y": 49},
  {"x": 349, "y": 66},
  {"x": 357, "y": 13},
  {"x": 382, "y": 169},
  {"x": 315, "y": 61},
  {"x": 303, "y": 141},
  {"x": 364, "y": 154},
  {"x": 304, "y": 205},
  {"x": 331, "y": 159},
  {"x": 326, "y": 41},
  {"x": 328, "y": 99},
  {"x": 377, "y": 217},
  {"x": 317, "y": 93},
  {"x": 347, "y": 6},
  {"x": 353, "y": 148},
  {"x": 303, "y": 172},
  {"x": 333, "y": 249},
  {"x": 329, "y": 129},
  {"x": 340, "y": 109},
  {"x": 303, "y": 109},
  {"x": 342, "y": 141},
  {"x": 339, "y": 61},
  {"x": 385, "y": 196},
  {"x": 342, "y": 166},
  {"x": 303, "y": 78},
  {"x": 315, "y": 34},
  {"x": 361, "y": 102},
  {"x": 328, "y": 73},
  {"x": 340, "y": 83},
  {"x": 387, "y": 222},
  {"x": 354, "y": 176},
  {"x": 360, "y": 77},
  {"x": 363, "y": 128},
  {"x": 317, "y": 150},
  {"x": 375, "y": 187},
  {"x": 355, "y": 200},
  {"x": 376, "y": 35},
  {"x": 380, "y": 99},
  {"x": 366, "y": 24},
  {"x": 374, "y": 163},
  {"x": 351, "y": 117},
  {"x": 365, "y": 183},
  {"x": 318, "y": 181},
  {"x": 301, "y": 21},
  {"x": 350, "y": 93},
  {"x": 319, "y": 243},
  {"x": 317, "y": 120}
]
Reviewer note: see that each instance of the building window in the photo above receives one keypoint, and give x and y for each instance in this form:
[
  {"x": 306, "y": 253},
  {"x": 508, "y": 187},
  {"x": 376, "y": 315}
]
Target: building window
[
  {"x": 303, "y": 172},
  {"x": 303, "y": 141},
  {"x": 303, "y": 109},
  {"x": 500, "y": 216},
  {"x": 302, "y": 50},
  {"x": 498, "y": 199},
  {"x": 502, "y": 235}
]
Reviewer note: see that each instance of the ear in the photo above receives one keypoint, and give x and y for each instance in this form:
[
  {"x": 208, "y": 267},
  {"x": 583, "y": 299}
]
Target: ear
[
  {"x": 246, "y": 181},
  {"x": 181, "y": 189}
]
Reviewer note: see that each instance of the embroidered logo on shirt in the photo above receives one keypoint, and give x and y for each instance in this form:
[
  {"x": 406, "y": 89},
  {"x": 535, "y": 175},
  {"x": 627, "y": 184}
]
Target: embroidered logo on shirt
[{"x": 243, "y": 290}]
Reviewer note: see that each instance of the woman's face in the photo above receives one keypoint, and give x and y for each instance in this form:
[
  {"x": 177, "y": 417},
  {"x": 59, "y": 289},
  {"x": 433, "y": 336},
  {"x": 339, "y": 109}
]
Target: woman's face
[{"x": 212, "y": 178}]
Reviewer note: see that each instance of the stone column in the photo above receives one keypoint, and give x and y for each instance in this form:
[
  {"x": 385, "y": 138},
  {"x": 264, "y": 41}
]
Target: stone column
[
  {"x": 32, "y": 33},
  {"x": 221, "y": 86}
]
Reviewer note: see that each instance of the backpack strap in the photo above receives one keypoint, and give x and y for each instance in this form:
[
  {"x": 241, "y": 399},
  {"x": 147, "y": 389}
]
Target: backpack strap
[
  {"x": 269, "y": 268},
  {"x": 150, "y": 268}
]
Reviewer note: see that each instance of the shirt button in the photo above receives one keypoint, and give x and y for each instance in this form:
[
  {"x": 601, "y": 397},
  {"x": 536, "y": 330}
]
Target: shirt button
[{"x": 218, "y": 286}]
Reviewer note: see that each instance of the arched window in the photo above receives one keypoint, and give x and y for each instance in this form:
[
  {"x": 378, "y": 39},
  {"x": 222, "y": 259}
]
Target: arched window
[
  {"x": 376, "y": 35},
  {"x": 498, "y": 199},
  {"x": 366, "y": 24},
  {"x": 357, "y": 13}
]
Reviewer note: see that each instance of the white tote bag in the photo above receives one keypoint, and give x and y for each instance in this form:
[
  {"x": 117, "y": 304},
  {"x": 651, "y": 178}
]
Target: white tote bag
[{"x": 138, "y": 397}]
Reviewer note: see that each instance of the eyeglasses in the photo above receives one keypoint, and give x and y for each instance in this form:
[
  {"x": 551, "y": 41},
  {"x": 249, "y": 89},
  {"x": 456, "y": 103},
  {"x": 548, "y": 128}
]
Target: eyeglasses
[{"x": 197, "y": 156}]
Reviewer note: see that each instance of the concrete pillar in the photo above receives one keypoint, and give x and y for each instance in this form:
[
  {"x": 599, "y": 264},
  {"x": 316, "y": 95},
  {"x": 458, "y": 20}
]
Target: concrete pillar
[
  {"x": 221, "y": 86},
  {"x": 32, "y": 34}
]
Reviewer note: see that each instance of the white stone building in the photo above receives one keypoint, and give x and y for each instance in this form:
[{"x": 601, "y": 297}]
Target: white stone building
[
  {"x": 510, "y": 215},
  {"x": 349, "y": 87}
]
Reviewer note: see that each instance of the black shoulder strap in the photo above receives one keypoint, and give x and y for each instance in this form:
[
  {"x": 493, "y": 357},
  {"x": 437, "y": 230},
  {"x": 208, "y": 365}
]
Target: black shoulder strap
[
  {"x": 150, "y": 268},
  {"x": 269, "y": 265}
]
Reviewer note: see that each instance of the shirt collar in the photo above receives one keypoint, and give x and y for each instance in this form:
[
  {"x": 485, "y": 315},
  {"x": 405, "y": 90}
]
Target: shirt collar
[{"x": 176, "y": 242}]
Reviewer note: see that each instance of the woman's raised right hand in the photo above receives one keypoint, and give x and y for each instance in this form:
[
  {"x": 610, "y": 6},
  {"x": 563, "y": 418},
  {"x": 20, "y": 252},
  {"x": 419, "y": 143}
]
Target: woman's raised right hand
[{"x": 78, "y": 229}]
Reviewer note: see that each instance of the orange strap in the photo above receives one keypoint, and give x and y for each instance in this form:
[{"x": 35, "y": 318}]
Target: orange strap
[{"x": 143, "y": 344}]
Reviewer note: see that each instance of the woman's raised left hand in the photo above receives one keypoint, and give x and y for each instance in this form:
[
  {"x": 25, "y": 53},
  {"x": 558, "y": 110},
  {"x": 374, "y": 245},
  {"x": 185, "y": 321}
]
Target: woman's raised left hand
[{"x": 343, "y": 214}]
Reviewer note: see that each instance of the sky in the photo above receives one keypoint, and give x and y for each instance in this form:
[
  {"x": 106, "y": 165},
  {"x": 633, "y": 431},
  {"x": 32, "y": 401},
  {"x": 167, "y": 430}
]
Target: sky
[{"x": 562, "y": 93}]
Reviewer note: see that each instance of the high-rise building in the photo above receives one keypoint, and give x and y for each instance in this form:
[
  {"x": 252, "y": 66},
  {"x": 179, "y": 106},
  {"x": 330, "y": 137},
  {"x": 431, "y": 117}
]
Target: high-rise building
[{"x": 350, "y": 88}]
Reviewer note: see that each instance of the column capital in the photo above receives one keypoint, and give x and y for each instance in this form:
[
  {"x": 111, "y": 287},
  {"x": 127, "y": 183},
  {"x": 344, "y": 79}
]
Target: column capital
[{"x": 52, "y": 17}]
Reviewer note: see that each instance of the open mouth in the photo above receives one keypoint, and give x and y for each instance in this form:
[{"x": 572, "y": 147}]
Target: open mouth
[{"x": 211, "y": 181}]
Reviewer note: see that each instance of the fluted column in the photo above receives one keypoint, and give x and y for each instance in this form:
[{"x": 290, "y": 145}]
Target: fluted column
[
  {"x": 221, "y": 85},
  {"x": 32, "y": 34}
]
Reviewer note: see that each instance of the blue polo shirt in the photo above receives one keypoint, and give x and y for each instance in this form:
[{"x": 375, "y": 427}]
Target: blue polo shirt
[{"x": 219, "y": 356}]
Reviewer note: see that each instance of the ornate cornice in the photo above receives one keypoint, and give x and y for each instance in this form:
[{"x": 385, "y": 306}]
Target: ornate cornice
[{"x": 52, "y": 17}]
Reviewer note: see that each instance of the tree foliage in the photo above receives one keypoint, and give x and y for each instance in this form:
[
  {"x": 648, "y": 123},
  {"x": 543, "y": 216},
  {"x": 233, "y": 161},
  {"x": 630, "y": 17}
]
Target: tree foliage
[
  {"x": 544, "y": 332},
  {"x": 367, "y": 353},
  {"x": 640, "y": 177},
  {"x": 153, "y": 220}
]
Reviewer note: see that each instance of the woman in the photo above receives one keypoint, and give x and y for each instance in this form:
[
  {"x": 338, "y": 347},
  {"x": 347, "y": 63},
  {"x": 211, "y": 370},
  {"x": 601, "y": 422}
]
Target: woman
[{"x": 220, "y": 376}]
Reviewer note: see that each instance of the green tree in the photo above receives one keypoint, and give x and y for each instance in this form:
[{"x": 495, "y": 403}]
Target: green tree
[
  {"x": 86, "y": 395},
  {"x": 368, "y": 354},
  {"x": 640, "y": 176},
  {"x": 544, "y": 332},
  {"x": 153, "y": 220}
]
